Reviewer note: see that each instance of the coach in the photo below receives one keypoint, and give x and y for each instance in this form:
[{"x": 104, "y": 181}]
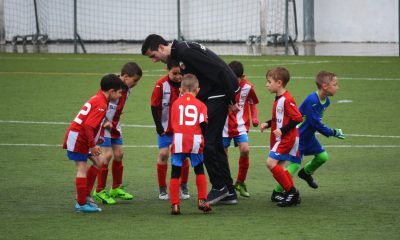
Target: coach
[{"x": 218, "y": 85}]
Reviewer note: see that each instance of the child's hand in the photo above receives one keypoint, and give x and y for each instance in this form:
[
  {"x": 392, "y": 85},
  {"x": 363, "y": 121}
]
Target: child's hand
[
  {"x": 234, "y": 108},
  {"x": 95, "y": 151},
  {"x": 277, "y": 132},
  {"x": 108, "y": 125},
  {"x": 337, "y": 132},
  {"x": 264, "y": 126}
]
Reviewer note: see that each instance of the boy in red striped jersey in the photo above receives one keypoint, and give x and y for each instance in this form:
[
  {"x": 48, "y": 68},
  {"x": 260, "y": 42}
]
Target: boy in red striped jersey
[
  {"x": 284, "y": 140},
  {"x": 112, "y": 145},
  {"x": 188, "y": 122},
  {"x": 82, "y": 135},
  {"x": 237, "y": 126},
  {"x": 165, "y": 92}
]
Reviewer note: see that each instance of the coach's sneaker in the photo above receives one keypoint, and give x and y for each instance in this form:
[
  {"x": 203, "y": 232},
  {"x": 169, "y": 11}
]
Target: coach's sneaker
[
  {"x": 204, "y": 206},
  {"x": 215, "y": 195},
  {"x": 242, "y": 189},
  {"x": 120, "y": 192},
  {"x": 87, "y": 208},
  {"x": 292, "y": 197},
  {"x": 277, "y": 196},
  {"x": 103, "y": 197},
  {"x": 184, "y": 192},
  {"x": 308, "y": 178},
  {"x": 163, "y": 194},
  {"x": 230, "y": 199},
  {"x": 175, "y": 209}
]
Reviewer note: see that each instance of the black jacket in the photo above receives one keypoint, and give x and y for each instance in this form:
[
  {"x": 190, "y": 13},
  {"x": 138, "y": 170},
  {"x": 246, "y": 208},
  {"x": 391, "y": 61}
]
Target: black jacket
[{"x": 215, "y": 77}]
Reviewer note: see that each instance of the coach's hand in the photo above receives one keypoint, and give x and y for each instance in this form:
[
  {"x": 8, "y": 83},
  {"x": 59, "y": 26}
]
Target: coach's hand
[{"x": 337, "y": 132}]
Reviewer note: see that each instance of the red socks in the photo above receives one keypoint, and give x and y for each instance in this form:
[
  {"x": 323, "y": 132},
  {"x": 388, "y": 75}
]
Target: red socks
[
  {"x": 185, "y": 171},
  {"x": 243, "y": 168},
  {"x": 117, "y": 170},
  {"x": 282, "y": 177},
  {"x": 102, "y": 178},
  {"x": 81, "y": 190},
  {"x": 201, "y": 183},
  {"x": 174, "y": 190},
  {"x": 91, "y": 175},
  {"x": 162, "y": 174}
]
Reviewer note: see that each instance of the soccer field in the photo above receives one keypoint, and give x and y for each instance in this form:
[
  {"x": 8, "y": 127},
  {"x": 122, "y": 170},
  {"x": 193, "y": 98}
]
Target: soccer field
[{"x": 359, "y": 191}]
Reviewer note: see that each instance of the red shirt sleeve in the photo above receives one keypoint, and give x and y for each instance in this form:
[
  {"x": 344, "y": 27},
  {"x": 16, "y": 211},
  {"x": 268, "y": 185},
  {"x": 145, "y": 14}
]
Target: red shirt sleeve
[
  {"x": 93, "y": 122},
  {"x": 156, "y": 96},
  {"x": 293, "y": 111}
]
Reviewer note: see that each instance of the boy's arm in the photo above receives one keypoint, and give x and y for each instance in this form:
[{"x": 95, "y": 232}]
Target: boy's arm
[
  {"x": 157, "y": 121},
  {"x": 156, "y": 97},
  {"x": 295, "y": 117},
  {"x": 254, "y": 114},
  {"x": 314, "y": 120},
  {"x": 265, "y": 125}
]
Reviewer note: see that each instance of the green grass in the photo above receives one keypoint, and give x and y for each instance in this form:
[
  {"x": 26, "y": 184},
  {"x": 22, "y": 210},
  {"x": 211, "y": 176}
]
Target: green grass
[{"x": 359, "y": 190}]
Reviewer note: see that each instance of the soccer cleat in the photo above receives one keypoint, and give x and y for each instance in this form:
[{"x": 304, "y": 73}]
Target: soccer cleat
[
  {"x": 175, "y": 209},
  {"x": 292, "y": 197},
  {"x": 163, "y": 194},
  {"x": 230, "y": 199},
  {"x": 215, "y": 195},
  {"x": 204, "y": 206},
  {"x": 103, "y": 197},
  {"x": 277, "y": 196},
  {"x": 86, "y": 208},
  {"x": 184, "y": 192},
  {"x": 242, "y": 189},
  {"x": 120, "y": 192},
  {"x": 308, "y": 178},
  {"x": 90, "y": 201}
]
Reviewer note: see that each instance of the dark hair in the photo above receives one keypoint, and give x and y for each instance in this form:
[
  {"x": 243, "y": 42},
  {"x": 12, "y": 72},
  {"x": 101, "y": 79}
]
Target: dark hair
[
  {"x": 279, "y": 73},
  {"x": 152, "y": 42},
  {"x": 237, "y": 68},
  {"x": 111, "y": 81},
  {"x": 172, "y": 63},
  {"x": 131, "y": 69},
  {"x": 324, "y": 77}
]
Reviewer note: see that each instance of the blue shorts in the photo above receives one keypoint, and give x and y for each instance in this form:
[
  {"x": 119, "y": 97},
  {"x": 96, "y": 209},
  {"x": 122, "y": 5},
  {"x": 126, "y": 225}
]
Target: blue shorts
[
  {"x": 108, "y": 142},
  {"x": 236, "y": 140},
  {"x": 284, "y": 157},
  {"x": 75, "y": 156},
  {"x": 164, "y": 141},
  {"x": 178, "y": 158},
  {"x": 310, "y": 147}
]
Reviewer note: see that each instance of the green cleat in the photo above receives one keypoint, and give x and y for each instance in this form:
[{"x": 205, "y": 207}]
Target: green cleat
[
  {"x": 103, "y": 197},
  {"x": 242, "y": 189},
  {"x": 119, "y": 192}
]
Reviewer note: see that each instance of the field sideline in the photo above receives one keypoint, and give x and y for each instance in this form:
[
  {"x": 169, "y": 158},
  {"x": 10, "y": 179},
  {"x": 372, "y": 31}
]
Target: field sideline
[{"x": 359, "y": 190}]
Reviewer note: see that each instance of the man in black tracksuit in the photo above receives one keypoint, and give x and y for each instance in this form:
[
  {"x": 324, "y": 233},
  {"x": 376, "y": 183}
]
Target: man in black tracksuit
[{"x": 218, "y": 85}]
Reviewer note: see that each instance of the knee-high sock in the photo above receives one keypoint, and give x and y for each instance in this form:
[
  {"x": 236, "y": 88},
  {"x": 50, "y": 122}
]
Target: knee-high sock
[
  {"x": 102, "y": 178},
  {"x": 281, "y": 177},
  {"x": 316, "y": 162},
  {"x": 290, "y": 169},
  {"x": 117, "y": 170},
  {"x": 185, "y": 171},
  {"x": 91, "y": 175},
  {"x": 162, "y": 174},
  {"x": 80, "y": 184},
  {"x": 243, "y": 168},
  {"x": 201, "y": 183},
  {"x": 174, "y": 190}
]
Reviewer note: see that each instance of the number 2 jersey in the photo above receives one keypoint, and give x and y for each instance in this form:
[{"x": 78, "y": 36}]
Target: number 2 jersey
[
  {"x": 187, "y": 113},
  {"x": 84, "y": 130},
  {"x": 284, "y": 110}
]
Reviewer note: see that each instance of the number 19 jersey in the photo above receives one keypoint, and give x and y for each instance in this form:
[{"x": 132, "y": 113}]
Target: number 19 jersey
[{"x": 187, "y": 113}]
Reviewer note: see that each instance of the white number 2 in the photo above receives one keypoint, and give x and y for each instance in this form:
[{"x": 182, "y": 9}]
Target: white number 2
[
  {"x": 82, "y": 112},
  {"x": 190, "y": 112}
]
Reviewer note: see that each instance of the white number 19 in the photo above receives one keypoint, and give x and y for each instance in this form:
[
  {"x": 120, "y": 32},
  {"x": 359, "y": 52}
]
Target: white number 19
[{"x": 190, "y": 112}]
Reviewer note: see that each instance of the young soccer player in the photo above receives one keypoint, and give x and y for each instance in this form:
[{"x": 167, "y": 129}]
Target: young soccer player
[
  {"x": 112, "y": 145},
  {"x": 313, "y": 109},
  {"x": 189, "y": 119},
  {"x": 165, "y": 92},
  {"x": 82, "y": 135},
  {"x": 237, "y": 126},
  {"x": 284, "y": 140}
]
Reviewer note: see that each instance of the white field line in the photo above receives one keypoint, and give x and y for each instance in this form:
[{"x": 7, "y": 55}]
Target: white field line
[
  {"x": 152, "y": 126},
  {"x": 155, "y": 146}
]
